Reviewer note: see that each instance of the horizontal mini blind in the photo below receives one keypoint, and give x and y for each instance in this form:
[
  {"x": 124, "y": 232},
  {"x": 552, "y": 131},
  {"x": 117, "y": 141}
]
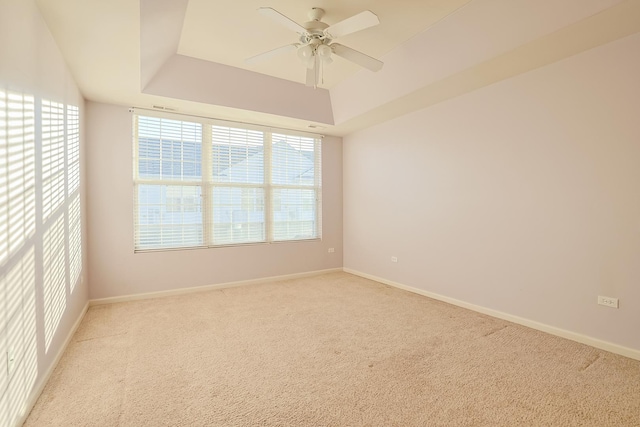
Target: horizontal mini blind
[
  {"x": 237, "y": 191},
  {"x": 296, "y": 181},
  {"x": 201, "y": 182},
  {"x": 168, "y": 185}
]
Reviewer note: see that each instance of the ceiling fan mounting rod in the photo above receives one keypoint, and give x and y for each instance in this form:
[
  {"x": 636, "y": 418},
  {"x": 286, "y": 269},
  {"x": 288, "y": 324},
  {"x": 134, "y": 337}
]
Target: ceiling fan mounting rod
[{"x": 315, "y": 14}]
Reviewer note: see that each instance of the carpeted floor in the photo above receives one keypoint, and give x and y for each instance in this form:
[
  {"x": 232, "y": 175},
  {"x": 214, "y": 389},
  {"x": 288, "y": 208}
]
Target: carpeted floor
[{"x": 331, "y": 350}]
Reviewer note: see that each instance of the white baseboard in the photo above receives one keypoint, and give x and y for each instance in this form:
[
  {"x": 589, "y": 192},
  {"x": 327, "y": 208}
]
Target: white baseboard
[
  {"x": 37, "y": 390},
  {"x": 574, "y": 336},
  {"x": 172, "y": 292}
]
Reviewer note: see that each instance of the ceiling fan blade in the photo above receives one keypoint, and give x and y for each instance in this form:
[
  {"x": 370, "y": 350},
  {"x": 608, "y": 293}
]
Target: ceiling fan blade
[
  {"x": 270, "y": 54},
  {"x": 357, "y": 22},
  {"x": 281, "y": 19},
  {"x": 359, "y": 58}
]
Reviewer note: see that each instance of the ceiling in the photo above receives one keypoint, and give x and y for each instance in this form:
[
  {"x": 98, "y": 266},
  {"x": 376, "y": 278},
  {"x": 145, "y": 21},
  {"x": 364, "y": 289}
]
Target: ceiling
[
  {"x": 230, "y": 34},
  {"x": 188, "y": 55}
]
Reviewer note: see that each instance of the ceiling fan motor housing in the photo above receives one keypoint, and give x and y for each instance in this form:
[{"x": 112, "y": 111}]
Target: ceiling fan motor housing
[{"x": 315, "y": 31}]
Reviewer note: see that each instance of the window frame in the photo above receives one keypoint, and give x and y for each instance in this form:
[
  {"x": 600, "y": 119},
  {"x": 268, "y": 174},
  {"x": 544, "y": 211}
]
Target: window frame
[{"x": 207, "y": 184}]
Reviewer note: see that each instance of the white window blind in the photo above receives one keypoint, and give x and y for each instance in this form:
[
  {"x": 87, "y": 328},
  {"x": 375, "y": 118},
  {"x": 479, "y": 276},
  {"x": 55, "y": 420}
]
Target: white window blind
[
  {"x": 238, "y": 190},
  {"x": 168, "y": 184},
  {"x": 296, "y": 180},
  {"x": 201, "y": 183}
]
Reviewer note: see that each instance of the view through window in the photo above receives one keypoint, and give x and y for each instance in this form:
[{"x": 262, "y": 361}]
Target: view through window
[{"x": 205, "y": 183}]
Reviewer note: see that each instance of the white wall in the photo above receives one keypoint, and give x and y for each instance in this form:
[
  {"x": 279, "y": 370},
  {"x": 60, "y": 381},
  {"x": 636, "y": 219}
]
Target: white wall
[
  {"x": 115, "y": 270},
  {"x": 521, "y": 197},
  {"x": 39, "y": 299}
]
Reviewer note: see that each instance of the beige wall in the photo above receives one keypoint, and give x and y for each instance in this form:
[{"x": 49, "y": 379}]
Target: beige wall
[
  {"x": 115, "y": 270},
  {"x": 521, "y": 197},
  {"x": 42, "y": 293}
]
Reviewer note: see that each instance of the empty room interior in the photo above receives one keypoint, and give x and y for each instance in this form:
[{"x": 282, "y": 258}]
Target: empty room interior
[{"x": 319, "y": 213}]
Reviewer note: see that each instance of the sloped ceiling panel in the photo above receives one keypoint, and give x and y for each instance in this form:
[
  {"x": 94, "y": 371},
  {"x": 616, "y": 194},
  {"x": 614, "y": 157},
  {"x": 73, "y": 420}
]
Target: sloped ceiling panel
[
  {"x": 193, "y": 79},
  {"x": 480, "y": 43},
  {"x": 160, "y": 31},
  {"x": 167, "y": 74}
]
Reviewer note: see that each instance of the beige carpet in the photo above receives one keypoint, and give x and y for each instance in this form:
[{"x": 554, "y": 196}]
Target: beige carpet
[{"x": 332, "y": 350}]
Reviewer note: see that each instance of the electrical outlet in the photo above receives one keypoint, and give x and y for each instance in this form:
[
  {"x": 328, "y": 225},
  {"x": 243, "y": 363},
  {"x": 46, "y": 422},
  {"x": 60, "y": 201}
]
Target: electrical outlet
[
  {"x": 608, "y": 301},
  {"x": 394, "y": 259},
  {"x": 11, "y": 362},
  {"x": 331, "y": 250}
]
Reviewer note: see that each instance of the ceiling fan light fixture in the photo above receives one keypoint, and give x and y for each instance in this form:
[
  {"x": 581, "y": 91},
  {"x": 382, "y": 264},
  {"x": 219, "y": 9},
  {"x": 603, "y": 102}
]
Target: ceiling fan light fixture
[
  {"x": 324, "y": 52},
  {"x": 305, "y": 53}
]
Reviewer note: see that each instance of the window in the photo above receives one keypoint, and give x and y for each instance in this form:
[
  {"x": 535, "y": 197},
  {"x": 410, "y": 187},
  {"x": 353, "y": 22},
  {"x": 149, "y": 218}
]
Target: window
[{"x": 202, "y": 183}]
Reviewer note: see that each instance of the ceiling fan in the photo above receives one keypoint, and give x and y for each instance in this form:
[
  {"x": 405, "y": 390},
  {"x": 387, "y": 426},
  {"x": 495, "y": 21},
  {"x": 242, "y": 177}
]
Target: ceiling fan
[{"x": 316, "y": 41}]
